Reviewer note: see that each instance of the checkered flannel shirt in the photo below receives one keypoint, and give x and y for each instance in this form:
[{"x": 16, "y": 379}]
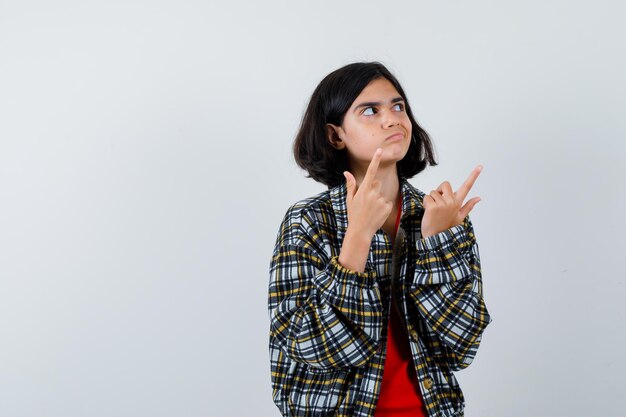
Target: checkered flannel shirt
[{"x": 328, "y": 324}]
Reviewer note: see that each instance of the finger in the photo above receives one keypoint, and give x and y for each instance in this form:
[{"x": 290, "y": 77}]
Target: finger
[
  {"x": 427, "y": 201},
  {"x": 445, "y": 189},
  {"x": 469, "y": 182},
  {"x": 469, "y": 206},
  {"x": 436, "y": 197},
  {"x": 372, "y": 168}
]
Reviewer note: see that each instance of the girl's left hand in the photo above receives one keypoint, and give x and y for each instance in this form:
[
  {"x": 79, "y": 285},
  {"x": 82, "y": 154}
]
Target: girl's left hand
[{"x": 443, "y": 206}]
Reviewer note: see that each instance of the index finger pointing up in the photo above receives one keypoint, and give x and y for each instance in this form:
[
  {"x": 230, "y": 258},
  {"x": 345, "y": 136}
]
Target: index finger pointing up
[
  {"x": 372, "y": 168},
  {"x": 469, "y": 182}
]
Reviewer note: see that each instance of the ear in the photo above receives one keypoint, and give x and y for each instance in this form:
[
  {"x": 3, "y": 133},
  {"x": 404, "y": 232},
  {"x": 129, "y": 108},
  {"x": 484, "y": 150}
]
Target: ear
[{"x": 334, "y": 134}]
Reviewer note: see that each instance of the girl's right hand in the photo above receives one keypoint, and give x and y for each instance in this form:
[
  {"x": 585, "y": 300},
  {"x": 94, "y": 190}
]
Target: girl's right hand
[{"x": 367, "y": 208}]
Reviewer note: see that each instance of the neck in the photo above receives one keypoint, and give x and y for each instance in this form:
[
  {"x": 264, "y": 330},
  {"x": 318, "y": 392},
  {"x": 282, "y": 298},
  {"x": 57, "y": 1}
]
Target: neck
[{"x": 390, "y": 183}]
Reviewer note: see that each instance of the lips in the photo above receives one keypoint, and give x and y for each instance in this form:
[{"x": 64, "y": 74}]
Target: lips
[{"x": 397, "y": 135}]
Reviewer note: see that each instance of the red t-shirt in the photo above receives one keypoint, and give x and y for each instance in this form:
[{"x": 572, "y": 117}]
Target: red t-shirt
[{"x": 400, "y": 394}]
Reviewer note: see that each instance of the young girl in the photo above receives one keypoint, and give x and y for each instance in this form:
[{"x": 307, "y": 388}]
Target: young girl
[{"x": 375, "y": 292}]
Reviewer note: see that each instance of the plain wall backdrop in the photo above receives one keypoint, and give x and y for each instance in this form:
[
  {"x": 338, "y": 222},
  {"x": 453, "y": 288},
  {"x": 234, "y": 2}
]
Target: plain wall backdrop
[{"x": 145, "y": 166}]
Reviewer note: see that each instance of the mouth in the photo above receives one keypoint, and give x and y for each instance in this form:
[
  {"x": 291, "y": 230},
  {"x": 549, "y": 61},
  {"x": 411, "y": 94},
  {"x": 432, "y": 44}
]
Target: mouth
[{"x": 395, "y": 136}]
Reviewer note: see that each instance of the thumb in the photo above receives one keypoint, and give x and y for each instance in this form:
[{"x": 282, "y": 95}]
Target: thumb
[
  {"x": 350, "y": 184},
  {"x": 465, "y": 210}
]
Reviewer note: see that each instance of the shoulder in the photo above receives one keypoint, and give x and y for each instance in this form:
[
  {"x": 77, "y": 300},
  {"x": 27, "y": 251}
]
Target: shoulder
[{"x": 302, "y": 219}]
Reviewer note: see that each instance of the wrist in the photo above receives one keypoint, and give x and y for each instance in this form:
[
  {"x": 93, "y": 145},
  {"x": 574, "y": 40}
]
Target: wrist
[
  {"x": 354, "y": 250},
  {"x": 358, "y": 237}
]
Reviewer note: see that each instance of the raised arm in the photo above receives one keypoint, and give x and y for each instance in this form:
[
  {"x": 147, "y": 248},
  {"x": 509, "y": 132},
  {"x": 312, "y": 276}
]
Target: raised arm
[
  {"x": 321, "y": 313},
  {"x": 447, "y": 291}
]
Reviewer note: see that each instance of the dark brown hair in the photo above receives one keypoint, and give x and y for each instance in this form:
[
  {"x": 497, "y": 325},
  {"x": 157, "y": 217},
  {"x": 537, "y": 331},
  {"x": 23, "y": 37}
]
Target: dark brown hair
[{"x": 329, "y": 103}]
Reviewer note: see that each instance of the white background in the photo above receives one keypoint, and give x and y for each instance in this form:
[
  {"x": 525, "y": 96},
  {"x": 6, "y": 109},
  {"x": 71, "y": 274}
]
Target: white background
[{"x": 145, "y": 166}]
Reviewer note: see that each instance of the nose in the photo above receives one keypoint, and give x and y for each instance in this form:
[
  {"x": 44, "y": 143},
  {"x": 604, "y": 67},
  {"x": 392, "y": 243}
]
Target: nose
[{"x": 391, "y": 119}]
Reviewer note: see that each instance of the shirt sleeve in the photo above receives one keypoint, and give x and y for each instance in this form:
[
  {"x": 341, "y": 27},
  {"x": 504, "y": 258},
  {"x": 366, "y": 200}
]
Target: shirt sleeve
[
  {"x": 447, "y": 291},
  {"x": 321, "y": 313}
]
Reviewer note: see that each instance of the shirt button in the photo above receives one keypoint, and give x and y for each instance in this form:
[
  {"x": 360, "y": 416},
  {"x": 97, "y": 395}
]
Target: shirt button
[{"x": 428, "y": 383}]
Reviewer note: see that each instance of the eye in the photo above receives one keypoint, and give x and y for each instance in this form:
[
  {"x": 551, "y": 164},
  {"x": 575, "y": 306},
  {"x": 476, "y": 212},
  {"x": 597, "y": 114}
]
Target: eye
[
  {"x": 364, "y": 112},
  {"x": 366, "y": 109}
]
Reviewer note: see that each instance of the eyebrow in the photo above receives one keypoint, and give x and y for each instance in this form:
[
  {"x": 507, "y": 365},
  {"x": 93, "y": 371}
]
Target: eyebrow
[{"x": 376, "y": 103}]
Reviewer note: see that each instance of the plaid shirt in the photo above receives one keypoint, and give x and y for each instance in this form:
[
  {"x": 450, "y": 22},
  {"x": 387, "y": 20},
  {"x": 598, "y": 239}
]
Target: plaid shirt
[{"x": 328, "y": 324}]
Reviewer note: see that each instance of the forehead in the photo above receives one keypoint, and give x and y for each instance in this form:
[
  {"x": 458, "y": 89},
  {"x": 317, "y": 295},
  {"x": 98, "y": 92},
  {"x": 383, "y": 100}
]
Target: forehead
[{"x": 378, "y": 89}]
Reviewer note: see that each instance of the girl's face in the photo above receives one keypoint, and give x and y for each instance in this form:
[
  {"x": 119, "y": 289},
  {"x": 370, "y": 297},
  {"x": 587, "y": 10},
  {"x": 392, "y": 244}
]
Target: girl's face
[{"x": 374, "y": 116}]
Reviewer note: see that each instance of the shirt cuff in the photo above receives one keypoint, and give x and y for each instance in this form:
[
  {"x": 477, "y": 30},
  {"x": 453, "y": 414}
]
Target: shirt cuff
[
  {"x": 443, "y": 240},
  {"x": 347, "y": 275}
]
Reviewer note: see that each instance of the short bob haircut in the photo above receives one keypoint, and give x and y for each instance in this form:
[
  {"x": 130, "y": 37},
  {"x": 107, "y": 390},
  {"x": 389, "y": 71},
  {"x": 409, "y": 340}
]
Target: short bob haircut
[{"x": 329, "y": 103}]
